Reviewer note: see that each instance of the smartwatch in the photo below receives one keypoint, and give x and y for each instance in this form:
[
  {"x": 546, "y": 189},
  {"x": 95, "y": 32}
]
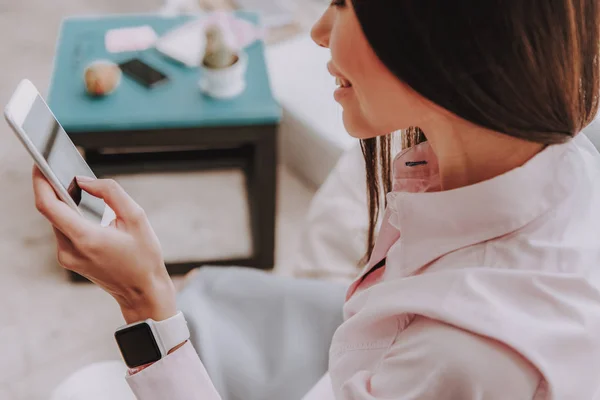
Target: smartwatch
[{"x": 149, "y": 341}]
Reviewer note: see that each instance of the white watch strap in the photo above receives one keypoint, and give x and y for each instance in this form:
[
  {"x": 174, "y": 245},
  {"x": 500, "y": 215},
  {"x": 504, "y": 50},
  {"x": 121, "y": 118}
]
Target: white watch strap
[{"x": 172, "y": 331}]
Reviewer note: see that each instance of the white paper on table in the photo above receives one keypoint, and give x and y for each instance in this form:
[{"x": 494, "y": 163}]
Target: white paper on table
[
  {"x": 135, "y": 38},
  {"x": 187, "y": 42}
]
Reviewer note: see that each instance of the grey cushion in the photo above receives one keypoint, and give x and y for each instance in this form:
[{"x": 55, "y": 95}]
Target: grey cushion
[{"x": 261, "y": 336}]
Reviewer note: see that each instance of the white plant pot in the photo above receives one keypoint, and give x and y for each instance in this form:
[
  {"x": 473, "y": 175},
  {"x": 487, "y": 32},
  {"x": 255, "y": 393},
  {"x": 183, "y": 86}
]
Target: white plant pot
[{"x": 225, "y": 83}]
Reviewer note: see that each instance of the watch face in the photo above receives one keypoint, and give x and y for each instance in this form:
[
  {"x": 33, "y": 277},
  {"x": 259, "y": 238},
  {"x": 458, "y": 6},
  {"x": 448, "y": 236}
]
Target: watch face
[{"x": 138, "y": 345}]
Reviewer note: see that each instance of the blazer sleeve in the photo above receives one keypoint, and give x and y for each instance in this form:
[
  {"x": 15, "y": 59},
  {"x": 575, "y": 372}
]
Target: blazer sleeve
[{"x": 178, "y": 376}]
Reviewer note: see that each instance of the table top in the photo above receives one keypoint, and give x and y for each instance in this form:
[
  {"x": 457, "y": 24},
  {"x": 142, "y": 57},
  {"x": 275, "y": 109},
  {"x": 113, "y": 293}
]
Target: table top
[{"x": 175, "y": 104}]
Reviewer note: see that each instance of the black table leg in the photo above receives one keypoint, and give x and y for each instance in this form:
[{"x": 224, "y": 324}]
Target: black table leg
[{"x": 262, "y": 197}]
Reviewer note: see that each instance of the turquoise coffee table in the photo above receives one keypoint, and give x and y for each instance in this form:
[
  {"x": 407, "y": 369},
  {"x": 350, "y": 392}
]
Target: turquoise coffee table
[{"x": 172, "y": 127}]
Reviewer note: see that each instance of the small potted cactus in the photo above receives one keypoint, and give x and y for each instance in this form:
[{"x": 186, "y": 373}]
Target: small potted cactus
[{"x": 223, "y": 69}]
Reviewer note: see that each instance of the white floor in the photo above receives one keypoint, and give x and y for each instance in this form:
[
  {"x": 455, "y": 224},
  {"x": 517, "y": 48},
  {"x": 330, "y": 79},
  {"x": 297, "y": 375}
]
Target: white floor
[{"x": 48, "y": 326}]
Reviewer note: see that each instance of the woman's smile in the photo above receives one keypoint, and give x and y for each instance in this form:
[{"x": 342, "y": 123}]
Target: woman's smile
[
  {"x": 342, "y": 92},
  {"x": 344, "y": 85}
]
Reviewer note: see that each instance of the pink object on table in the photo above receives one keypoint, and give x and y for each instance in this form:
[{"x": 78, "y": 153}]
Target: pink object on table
[{"x": 130, "y": 39}]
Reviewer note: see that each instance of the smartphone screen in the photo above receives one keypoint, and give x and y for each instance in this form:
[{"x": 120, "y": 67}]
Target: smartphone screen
[
  {"x": 142, "y": 72},
  {"x": 53, "y": 143}
]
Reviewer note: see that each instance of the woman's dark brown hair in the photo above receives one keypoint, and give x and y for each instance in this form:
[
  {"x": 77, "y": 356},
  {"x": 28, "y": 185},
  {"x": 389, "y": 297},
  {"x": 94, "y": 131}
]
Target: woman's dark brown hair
[{"x": 527, "y": 68}]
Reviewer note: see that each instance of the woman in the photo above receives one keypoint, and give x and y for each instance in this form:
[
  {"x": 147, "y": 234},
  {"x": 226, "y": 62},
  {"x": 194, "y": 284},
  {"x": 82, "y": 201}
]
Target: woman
[{"x": 481, "y": 283}]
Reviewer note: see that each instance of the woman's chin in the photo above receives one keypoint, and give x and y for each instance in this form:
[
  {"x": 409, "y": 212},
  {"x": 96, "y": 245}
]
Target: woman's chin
[
  {"x": 356, "y": 134},
  {"x": 357, "y": 127}
]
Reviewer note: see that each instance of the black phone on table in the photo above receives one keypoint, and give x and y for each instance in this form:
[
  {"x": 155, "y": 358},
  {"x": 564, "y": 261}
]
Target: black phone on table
[{"x": 143, "y": 73}]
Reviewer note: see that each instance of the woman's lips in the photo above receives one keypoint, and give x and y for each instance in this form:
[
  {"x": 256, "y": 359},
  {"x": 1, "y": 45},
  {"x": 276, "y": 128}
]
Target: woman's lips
[
  {"x": 344, "y": 85},
  {"x": 342, "y": 92}
]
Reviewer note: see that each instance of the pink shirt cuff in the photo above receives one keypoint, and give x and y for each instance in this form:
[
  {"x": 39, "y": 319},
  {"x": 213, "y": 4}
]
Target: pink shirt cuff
[{"x": 178, "y": 376}]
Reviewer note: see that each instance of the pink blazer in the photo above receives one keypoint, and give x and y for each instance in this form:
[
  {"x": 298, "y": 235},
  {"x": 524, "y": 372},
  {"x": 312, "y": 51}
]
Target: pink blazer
[{"x": 490, "y": 291}]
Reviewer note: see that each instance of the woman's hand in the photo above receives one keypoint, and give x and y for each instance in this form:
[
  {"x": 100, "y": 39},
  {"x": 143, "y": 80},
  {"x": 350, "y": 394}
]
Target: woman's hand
[{"x": 125, "y": 259}]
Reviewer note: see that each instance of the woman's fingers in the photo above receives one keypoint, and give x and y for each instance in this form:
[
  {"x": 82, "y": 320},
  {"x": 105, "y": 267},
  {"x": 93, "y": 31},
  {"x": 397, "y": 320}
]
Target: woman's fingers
[
  {"x": 114, "y": 196},
  {"x": 60, "y": 215}
]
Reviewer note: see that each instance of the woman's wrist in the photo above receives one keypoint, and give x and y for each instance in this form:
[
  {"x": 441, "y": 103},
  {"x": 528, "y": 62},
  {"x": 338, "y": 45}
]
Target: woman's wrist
[{"x": 155, "y": 300}]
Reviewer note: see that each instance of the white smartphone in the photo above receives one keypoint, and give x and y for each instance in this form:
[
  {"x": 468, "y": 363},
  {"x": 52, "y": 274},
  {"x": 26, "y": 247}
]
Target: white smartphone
[{"x": 53, "y": 151}]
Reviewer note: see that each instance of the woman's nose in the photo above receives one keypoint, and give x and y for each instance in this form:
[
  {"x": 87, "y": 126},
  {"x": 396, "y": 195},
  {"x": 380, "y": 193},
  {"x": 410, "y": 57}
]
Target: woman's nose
[{"x": 321, "y": 30}]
